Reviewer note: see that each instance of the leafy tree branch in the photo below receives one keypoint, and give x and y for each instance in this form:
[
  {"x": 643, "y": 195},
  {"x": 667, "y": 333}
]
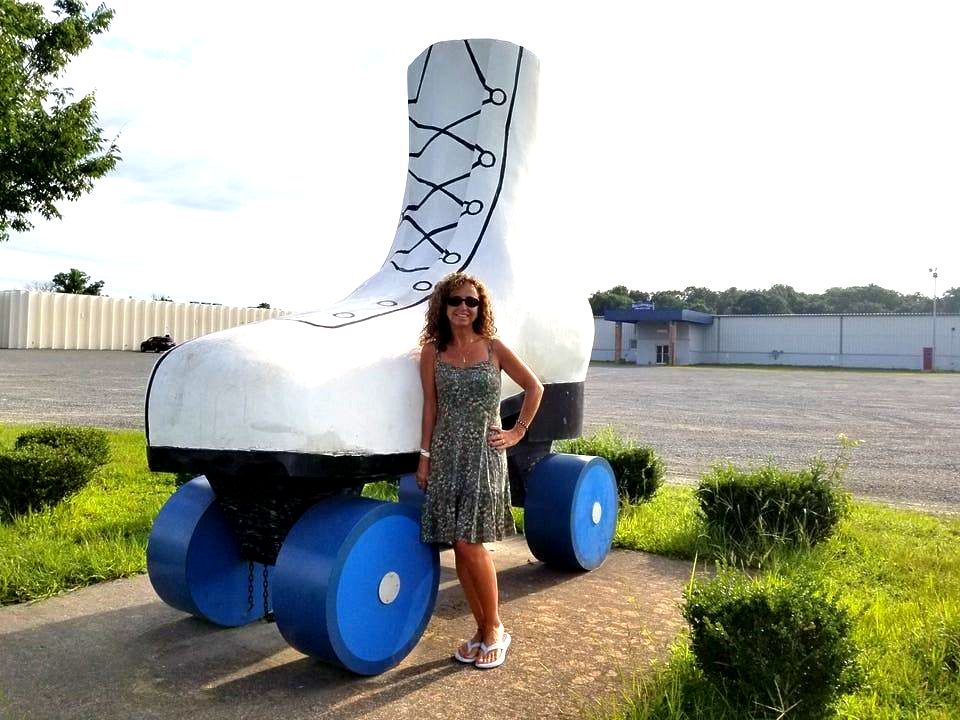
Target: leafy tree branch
[{"x": 51, "y": 147}]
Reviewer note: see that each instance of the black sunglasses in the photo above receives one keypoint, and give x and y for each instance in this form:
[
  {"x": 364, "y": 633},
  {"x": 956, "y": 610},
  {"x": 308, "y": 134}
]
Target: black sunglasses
[{"x": 455, "y": 300}]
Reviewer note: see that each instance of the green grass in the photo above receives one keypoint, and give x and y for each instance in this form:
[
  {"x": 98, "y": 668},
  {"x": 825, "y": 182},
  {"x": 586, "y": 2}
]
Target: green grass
[
  {"x": 666, "y": 525},
  {"x": 100, "y": 533},
  {"x": 897, "y": 571}
]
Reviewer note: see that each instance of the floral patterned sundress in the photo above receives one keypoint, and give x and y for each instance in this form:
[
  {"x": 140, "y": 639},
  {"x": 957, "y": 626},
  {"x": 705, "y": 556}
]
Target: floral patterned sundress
[{"x": 468, "y": 491}]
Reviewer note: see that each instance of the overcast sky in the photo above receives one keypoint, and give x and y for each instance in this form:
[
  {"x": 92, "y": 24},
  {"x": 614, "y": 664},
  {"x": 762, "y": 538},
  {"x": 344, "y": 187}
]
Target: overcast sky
[{"x": 723, "y": 144}]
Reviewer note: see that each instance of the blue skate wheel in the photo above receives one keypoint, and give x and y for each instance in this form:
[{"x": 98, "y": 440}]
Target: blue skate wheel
[
  {"x": 194, "y": 561},
  {"x": 570, "y": 512},
  {"x": 354, "y": 586}
]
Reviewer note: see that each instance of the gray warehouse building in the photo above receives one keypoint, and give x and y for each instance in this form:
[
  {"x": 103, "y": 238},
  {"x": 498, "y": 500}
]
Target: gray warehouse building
[{"x": 686, "y": 337}]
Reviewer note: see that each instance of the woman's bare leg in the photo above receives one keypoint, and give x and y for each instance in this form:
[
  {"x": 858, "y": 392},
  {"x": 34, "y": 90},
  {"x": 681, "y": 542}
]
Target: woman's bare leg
[
  {"x": 479, "y": 565},
  {"x": 469, "y": 586}
]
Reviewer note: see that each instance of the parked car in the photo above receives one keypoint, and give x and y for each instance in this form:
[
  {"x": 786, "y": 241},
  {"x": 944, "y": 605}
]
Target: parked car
[{"x": 157, "y": 343}]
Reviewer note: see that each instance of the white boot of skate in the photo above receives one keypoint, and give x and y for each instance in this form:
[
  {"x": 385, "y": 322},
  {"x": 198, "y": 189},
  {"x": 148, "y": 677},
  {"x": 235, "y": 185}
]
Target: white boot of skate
[{"x": 335, "y": 393}]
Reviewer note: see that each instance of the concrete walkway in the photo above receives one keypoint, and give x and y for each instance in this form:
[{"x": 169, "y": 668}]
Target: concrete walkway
[{"x": 115, "y": 651}]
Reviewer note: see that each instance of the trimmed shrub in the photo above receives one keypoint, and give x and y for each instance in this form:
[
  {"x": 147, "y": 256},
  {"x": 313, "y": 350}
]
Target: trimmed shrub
[
  {"x": 639, "y": 469},
  {"x": 88, "y": 442},
  {"x": 640, "y": 472},
  {"x": 766, "y": 505},
  {"x": 774, "y": 648},
  {"x": 35, "y": 476}
]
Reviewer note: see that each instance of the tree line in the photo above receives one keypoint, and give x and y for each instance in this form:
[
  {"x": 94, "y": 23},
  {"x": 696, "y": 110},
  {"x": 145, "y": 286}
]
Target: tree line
[
  {"x": 77, "y": 282},
  {"x": 779, "y": 299}
]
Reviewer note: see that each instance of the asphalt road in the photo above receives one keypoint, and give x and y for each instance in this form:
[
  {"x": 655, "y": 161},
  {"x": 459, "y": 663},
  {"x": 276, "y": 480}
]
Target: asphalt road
[{"x": 909, "y": 422}]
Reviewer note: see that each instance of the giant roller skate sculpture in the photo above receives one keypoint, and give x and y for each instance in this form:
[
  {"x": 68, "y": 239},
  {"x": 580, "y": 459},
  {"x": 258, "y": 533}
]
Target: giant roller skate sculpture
[{"x": 284, "y": 420}]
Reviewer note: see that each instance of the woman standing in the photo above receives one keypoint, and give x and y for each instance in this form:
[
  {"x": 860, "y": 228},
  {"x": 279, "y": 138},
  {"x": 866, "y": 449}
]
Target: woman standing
[{"x": 463, "y": 463}]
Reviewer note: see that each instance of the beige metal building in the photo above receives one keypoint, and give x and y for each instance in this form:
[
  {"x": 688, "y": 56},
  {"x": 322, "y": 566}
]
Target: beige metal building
[
  {"x": 61, "y": 321},
  {"x": 682, "y": 337}
]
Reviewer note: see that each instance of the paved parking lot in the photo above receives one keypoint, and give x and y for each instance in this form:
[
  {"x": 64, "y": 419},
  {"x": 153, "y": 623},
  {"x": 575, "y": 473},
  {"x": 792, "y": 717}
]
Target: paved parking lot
[
  {"x": 83, "y": 387},
  {"x": 909, "y": 422}
]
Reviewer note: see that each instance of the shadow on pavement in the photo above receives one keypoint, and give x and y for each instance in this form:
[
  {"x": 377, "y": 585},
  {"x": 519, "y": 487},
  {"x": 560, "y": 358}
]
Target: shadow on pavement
[{"x": 116, "y": 651}]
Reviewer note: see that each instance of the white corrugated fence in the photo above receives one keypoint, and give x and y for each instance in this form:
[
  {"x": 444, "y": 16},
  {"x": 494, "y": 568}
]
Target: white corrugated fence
[{"x": 61, "y": 321}]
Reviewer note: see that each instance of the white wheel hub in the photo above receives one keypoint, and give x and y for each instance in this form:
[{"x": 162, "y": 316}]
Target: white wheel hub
[
  {"x": 389, "y": 587},
  {"x": 597, "y": 512}
]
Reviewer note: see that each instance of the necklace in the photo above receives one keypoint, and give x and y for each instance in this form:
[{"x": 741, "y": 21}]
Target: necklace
[{"x": 463, "y": 352}]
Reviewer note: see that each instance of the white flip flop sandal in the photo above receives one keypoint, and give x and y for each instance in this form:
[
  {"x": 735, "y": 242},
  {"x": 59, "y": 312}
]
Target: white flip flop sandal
[
  {"x": 471, "y": 646},
  {"x": 502, "y": 645}
]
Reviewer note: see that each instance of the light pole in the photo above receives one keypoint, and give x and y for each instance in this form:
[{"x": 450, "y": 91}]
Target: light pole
[{"x": 933, "y": 358}]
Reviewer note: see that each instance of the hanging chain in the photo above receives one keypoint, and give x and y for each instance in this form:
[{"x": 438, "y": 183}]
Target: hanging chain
[
  {"x": 267, "y": 615},
  {"x": 249, "y": 586}
]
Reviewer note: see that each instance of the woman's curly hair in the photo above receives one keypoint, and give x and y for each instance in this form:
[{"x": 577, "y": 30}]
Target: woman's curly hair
[{"x": 437, "y": 326}]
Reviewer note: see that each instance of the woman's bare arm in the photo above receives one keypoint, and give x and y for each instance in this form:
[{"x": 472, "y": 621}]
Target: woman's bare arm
[{"x": 522, "y": 375}]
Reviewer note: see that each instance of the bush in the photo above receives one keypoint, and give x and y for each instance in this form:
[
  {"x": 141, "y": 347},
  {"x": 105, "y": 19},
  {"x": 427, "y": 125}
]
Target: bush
[
  {"x": 88, "y": 442},
  {"x": 768, "y": 505},
  {"x": 35, "y": 476},
  {"x": 774, "y": 648},
  {"x": 639, "y": 469}
]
